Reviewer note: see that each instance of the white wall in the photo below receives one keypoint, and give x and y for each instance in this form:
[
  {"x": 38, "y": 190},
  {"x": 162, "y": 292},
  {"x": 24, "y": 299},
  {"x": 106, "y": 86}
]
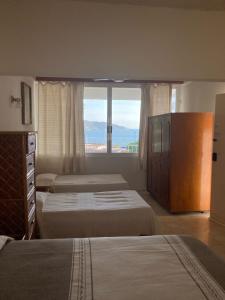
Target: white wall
[
  {"x": 11, "y": 113},
  {"x": 127, "y": 166},
  {"x": 69, "y": 38},
  {"x": 198, "y": 96}
]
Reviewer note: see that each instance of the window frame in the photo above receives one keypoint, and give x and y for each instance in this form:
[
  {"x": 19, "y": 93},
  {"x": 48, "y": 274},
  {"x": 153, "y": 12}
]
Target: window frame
[{"x": 110, "y": 87}]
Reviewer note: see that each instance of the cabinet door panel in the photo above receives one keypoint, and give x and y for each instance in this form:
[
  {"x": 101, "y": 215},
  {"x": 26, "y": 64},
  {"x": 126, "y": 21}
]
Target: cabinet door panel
[
  {"x": 149, "y": 155},
  {"x": 165, "y": 123},
  {"x": 164, "y": 162},
  {"x": 164, "y": 182},
  {"x": 155, "y": 178},
  {"x": 156, "y": 135},
  {"x": 154, "y": 152}
]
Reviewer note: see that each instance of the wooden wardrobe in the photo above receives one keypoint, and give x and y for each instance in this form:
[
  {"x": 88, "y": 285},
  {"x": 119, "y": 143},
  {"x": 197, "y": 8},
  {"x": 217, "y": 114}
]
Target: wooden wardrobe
[
  {"x": 179, "y": 160},
  {"x": 17, "y": 184}
]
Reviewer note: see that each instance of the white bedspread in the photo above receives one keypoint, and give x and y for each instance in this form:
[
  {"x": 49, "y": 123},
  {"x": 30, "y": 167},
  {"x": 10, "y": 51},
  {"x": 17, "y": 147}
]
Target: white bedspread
[
  {"x": 82, "y": 183},
  {"x": 89, "y": 183},
  {"x": 115, "y": 213}
]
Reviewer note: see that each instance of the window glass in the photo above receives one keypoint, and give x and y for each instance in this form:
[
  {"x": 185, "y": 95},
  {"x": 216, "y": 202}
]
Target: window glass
[
  {"x": 95, "y": 119},
  {"x": 126, "y": 104},
  {"x": 173, "y": 100}
]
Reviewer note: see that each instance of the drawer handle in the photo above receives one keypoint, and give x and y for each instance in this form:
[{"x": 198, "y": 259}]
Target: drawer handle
[
  {"x": 32, "y": 222},
  {"x": 32, "y": 202},
  {"x": 30, "y": 164},
  {"x": 32, "y": 143},
  {"x": 31, "y": 183}
]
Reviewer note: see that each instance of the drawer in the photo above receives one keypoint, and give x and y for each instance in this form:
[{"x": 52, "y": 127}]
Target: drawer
[
  {"x": 31, "y": 223},
  {"x": 31, "y": 143},
  {"x": 30, "y": 162},
  {"x": 30, "y": 183},
  {"x": 31, "y": 202}
]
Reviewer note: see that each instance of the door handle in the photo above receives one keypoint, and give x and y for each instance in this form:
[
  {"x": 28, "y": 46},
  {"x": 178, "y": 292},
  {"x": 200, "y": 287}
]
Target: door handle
[{"x": 214, "y": 156}]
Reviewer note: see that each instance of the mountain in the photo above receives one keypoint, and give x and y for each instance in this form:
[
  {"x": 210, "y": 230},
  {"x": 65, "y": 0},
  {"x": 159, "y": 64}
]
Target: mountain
[{"x": 96, "y": 133}]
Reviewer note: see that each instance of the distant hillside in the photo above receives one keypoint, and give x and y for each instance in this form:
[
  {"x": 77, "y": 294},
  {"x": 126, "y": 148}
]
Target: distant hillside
[{"x": 96, "y": 133}]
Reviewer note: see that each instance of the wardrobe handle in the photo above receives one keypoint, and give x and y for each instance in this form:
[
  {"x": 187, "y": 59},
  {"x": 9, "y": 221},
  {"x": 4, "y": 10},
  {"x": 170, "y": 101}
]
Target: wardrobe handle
[{"x": 214, "y": 156}]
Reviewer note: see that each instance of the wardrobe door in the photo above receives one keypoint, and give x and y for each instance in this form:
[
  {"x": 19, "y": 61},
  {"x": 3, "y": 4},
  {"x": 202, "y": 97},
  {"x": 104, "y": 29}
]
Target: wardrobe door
[
  {"x": 191, "y": 161},
  {"x": 156, "y": 148},
  {"x": 149, "y": 155},
  {"x": 165, "y": 161},
  {"x": 156, "y": 136}
]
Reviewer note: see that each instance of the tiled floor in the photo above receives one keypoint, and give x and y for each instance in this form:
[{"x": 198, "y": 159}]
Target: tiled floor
[{"x": 195, "y": 224}]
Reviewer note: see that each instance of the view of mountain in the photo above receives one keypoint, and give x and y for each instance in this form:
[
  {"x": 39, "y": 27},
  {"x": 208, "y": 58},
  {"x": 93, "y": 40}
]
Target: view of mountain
[{"x": 96, "y": 133}]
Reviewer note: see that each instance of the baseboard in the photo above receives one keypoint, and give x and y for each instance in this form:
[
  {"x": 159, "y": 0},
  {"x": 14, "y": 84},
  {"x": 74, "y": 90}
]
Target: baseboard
[{"x": 217, "y": 222}]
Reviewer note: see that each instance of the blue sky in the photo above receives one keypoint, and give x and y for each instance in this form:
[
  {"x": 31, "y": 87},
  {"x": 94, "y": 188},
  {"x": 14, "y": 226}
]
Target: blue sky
[{"x": 124, "y": 112}]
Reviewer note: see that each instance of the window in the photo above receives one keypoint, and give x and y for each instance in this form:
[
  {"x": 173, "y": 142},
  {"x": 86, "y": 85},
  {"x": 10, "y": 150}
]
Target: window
[
  {"x": 173, "y": 100},
  {"x": 111, "y": 119}
]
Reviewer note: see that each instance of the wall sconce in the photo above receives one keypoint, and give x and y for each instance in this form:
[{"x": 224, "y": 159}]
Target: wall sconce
[{"x": 16, "y": 100}]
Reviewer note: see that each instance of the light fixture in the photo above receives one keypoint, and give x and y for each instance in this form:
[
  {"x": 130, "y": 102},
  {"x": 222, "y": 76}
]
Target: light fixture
[
  {"x": 109, "y": 80},
  {"x": 101, "y": 79},
  {"x": 118, "y": 80},
  {"x": 15, "y": 99}
]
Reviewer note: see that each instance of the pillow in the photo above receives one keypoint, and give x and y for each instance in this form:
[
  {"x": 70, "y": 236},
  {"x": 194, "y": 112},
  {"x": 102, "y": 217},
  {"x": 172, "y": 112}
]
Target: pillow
[
  {"x": 45, "y": 179},
  {"x": 40, "y": 200},
  {"x": 3, "y": 240}
]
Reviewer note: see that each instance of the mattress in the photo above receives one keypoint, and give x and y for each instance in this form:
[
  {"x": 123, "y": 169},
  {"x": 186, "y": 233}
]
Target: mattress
[
  {"x": 82, "y": 183},
  {"x": 114, "y": 213},
  {"x": 121, "y": 268}
]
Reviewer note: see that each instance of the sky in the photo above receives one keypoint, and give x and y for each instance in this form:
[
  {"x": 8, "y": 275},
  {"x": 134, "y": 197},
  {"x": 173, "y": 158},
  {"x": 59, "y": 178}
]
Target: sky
[{"x": 124, "y": 112}]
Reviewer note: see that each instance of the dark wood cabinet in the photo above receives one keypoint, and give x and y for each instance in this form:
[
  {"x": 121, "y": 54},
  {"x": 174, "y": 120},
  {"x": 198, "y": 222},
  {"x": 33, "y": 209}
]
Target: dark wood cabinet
[
  {"x": 179, "y": 160},
  {"x": 17, "y": 184}
]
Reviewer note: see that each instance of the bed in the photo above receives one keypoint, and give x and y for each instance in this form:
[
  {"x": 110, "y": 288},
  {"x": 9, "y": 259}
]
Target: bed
[
  {"x": 121, "y": 268},
  {"x": 113, "y": 213},
  {"x": 81, "y": 183}
]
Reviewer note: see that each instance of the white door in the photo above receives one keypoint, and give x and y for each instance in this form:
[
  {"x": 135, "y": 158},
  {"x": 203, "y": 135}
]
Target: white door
[{"x": 218, "y": 175}]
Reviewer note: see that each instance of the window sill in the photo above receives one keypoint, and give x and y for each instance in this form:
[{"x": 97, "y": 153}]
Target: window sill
[{"x": 112, "y": 155}]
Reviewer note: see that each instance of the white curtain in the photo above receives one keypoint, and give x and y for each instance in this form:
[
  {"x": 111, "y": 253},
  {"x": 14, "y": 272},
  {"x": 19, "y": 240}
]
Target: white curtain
[
  {"x": 155, "y": 101},
  {"x": 60, "y": 147}
]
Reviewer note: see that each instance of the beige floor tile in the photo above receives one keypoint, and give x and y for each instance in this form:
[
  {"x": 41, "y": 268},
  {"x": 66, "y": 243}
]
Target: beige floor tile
[{"x": 195, "y": 224}]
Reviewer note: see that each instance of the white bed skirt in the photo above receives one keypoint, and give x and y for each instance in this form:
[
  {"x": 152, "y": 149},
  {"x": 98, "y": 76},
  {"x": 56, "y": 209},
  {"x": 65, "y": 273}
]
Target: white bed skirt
[{"x": 115, "y": 213}]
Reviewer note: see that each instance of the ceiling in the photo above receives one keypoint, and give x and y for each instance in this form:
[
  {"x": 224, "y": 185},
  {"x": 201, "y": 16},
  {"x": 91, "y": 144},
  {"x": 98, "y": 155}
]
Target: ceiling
[{"x": 183, "y": 4}]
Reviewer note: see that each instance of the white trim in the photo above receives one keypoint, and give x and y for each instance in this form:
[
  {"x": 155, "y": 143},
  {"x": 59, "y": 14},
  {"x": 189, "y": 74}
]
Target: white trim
[{"x": 110, "y": 84}]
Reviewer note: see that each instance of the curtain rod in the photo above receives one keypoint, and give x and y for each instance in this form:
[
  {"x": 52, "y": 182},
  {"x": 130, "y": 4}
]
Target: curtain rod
[{"x": 106, "y": 80}]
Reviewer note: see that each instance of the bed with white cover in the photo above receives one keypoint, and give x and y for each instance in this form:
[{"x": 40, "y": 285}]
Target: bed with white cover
[
  {"x": 118, "y": 268},
  {"x": 81, "y": 183},
  {"x": 114, "y": 213}
]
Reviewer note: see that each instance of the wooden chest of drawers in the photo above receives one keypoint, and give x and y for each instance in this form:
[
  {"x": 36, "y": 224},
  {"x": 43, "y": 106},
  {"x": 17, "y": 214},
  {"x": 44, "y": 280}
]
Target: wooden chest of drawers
[{"x": 17, "y": 184}]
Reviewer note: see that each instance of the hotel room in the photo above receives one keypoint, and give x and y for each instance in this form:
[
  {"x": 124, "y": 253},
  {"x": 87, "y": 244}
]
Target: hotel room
[{"x": 111, "y": 149}]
